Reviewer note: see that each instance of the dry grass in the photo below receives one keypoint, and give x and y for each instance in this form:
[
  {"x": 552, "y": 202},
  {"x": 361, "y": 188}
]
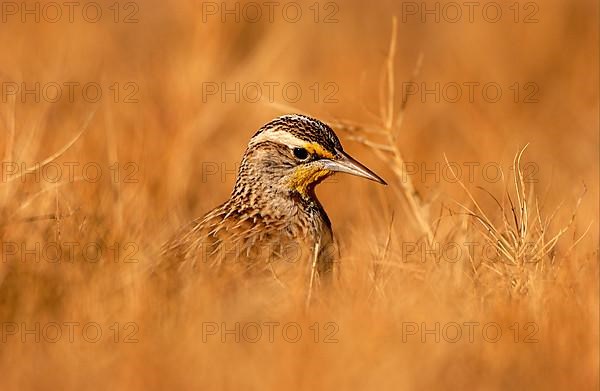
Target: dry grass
[{"x": 519, "y": 253}]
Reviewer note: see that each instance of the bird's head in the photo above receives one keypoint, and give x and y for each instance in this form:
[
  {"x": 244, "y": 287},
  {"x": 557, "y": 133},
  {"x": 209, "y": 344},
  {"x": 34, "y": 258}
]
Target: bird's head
[{"x": 294, "y": 153}]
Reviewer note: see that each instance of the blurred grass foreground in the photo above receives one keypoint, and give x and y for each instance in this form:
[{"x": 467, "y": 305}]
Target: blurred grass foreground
[{"x": 476, "y": 267}]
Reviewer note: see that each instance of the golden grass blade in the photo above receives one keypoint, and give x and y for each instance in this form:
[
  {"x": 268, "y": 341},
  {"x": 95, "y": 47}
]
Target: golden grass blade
[
  {"x": 313, "y": 272},
  {"x": 11, "y": 123},
  {"x": 59, "y": 153}
]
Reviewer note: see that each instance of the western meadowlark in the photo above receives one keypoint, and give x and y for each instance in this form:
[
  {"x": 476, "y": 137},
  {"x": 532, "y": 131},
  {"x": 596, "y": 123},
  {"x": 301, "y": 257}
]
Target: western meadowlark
[{"x": 272, "y": 215}]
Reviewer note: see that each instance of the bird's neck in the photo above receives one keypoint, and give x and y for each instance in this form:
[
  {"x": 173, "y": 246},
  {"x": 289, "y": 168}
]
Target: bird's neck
[
  {"x": 264, "y": 188},
  {"x": 277, "y": 202}
]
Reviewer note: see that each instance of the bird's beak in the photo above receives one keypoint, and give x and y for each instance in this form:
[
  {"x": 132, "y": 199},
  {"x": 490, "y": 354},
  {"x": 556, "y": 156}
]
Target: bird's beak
[{"x": 346, "y": 163}]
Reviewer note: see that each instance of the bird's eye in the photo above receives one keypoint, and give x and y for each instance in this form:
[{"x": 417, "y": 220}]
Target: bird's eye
[{"x": 300, "y": 153}]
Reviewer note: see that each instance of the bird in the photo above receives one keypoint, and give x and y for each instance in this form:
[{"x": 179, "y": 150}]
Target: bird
[{"x": 272, "y": 219}]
